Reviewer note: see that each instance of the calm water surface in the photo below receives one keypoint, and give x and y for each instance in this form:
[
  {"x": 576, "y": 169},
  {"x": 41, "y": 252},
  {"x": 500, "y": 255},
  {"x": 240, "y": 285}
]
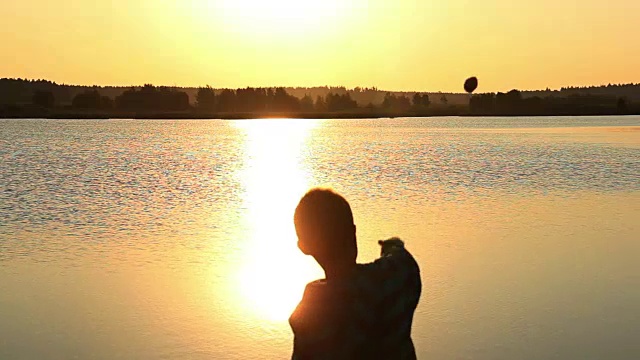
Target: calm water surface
[{"x": 174, "y": 239}]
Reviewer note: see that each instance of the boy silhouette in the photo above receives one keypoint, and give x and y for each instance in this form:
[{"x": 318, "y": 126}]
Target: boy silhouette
[{"x": 359, "y": 311}]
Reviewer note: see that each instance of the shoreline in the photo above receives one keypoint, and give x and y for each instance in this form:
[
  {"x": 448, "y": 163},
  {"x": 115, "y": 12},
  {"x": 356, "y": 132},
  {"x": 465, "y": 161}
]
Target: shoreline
[{"x": 191, "y": 115}]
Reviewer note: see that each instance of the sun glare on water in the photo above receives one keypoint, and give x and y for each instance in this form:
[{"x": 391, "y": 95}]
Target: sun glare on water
[{"x": 274, "y": 272}]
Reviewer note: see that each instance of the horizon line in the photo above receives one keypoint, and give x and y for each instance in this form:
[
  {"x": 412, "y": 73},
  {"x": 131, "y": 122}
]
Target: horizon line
[{"x": 319, "y": 86}]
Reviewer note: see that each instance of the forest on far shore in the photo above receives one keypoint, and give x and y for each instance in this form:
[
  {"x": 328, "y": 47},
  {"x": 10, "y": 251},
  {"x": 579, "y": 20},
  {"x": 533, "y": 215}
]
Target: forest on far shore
[{"x": 41, "y": 98}]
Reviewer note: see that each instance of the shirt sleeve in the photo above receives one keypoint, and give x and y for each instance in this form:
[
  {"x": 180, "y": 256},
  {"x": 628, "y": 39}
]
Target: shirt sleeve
[
  {"x": 396, "y": 275},
  {"x": 331, "y": 321},
  {"x": 394, "y": 263}
]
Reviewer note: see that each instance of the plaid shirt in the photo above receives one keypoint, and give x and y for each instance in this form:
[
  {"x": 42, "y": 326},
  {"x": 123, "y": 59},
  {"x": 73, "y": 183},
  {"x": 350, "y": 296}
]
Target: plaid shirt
[{"x": 365, "y": 316}]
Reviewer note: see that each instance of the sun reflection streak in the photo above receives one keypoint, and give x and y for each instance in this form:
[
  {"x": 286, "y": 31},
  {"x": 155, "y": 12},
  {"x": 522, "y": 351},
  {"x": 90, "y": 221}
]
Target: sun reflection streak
[{"x": 274, "y": 272}]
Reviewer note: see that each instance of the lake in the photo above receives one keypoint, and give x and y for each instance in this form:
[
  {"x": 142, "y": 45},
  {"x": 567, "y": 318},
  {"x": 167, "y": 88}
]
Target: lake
[{"x": 129, "y": 239}]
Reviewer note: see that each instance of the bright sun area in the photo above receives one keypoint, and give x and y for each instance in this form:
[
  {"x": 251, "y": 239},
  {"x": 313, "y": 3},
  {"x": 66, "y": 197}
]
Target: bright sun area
[
  {"x": 280, "y": 15},
  {"x": 411, "y": 45}
]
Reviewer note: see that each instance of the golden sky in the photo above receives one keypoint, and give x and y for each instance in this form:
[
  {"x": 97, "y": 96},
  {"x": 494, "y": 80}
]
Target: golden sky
[{"x": 423, "y": 45}]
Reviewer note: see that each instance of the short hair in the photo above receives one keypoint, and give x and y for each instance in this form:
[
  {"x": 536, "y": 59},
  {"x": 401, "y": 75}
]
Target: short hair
[{"x": 325, "y": 213}]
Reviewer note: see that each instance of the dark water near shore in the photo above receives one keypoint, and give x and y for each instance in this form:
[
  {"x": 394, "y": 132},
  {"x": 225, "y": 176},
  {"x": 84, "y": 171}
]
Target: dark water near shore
[{"x": 173, "y": 239}]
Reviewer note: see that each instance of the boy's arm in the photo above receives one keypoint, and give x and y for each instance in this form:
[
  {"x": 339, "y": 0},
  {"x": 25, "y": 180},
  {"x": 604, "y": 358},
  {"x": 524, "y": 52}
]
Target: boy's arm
[
  {"x": 396, "y": 271},
  {"x": 394, "y": 258}
]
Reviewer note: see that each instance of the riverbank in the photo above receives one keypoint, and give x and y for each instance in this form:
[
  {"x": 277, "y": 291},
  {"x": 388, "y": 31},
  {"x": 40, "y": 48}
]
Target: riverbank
[{"x": 31, "y": 112}]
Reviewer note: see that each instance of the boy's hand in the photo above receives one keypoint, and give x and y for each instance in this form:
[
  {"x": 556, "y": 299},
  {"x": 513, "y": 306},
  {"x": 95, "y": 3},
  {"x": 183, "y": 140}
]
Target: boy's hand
[{"x": 390, "y": 245}]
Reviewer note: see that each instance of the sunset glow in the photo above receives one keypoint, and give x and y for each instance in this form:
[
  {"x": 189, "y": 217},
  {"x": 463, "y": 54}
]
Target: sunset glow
[
  {"x": 280, "y": 16},
  {"x": 393, "y": 45}
]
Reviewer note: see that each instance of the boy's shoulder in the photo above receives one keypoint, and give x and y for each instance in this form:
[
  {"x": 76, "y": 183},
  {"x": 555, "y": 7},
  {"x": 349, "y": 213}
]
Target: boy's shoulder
[
  {"x": 317, "y": 283},
  {"x": 315, "y": 287}
]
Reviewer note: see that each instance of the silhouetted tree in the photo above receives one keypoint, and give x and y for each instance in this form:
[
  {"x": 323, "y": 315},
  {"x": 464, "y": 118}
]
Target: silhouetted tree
[
  {"x": 106, "y": 102},
  {"x": 421, "y": 100},
  {"x": 44, "y": 99},
  {"x": 283, "y": 102},
  {"x": 227, "y": 100},
  {"x": 306, "y": 103},
  {"x": 270, "y": 95},
  {"x": 178, "y": 100},
  {"x": 396, "y": 103},
  {"x": 510, "y": 102},
  {"x": 251, "y": 99},
  {"x": 320, "y": 105},
  {"x": 206, "y": 98},
  {"x": 151, "y": 98},
  {"x": 417, "y": 99},
  {"x": 91, "y": 99},
  {"x": 532, "y": 105},
  {"x": 621, "y": 105},
  {"x": 388, "y": 101},
  {"x": 403, "y": 103},
  {"x": 337, "y": 102},
  {"x": 482, "y": 103}
]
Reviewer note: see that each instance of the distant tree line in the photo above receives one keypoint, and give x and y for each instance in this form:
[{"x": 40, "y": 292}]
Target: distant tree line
[
  {"x": 153, "y": 98},
  {"x": 255, "y": 100},
  {"x": 42, "y": 97},
  {"x": 279, "y": 100},
  {"x": 513, "y": 103},
  {"x": 630, "y": 92},
  {"x": 246, "y": 100},
  {"x": 91, "y": 99},
  {"x": 21, "y": 91}
]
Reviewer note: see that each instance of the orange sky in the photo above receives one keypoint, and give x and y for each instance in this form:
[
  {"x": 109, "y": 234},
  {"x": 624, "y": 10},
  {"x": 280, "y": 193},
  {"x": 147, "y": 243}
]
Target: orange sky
[{"x": 392, "y": 44}]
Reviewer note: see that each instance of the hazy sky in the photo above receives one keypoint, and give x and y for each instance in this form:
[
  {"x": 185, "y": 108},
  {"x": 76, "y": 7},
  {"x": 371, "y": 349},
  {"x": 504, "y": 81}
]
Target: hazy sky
[{"x": 392, "y": 44}]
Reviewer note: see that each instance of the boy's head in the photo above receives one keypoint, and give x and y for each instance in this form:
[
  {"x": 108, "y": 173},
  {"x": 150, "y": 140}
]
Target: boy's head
[{"x": 325, "y": 229}]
